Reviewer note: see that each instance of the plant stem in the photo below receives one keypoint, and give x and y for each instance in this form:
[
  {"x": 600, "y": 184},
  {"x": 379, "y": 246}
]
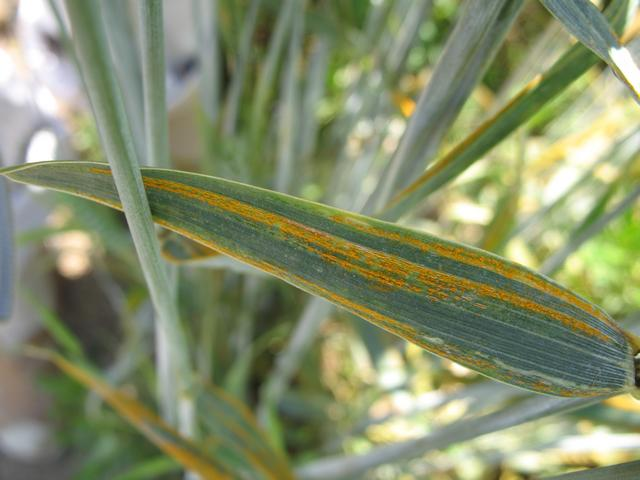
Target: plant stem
[
  {"x": 90, "y": 41},
  {"x": 6, "y": 252},
  {"x": 153, "y": 83}
]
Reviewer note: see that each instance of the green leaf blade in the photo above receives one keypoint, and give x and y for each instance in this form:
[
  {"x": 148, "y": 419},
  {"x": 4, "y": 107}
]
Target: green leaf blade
[
  {"x": 590, "y": 27},
  {"x": 458, "y": 302}
]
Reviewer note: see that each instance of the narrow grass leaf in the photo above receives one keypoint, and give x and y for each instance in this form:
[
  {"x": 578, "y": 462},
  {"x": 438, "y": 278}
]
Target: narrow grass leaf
[
  {"x": 468, "y": 52},
  {"x": 623, "y": 471},
  {"x": 355, "y": 466},
  {"x": 154, "y": 88},
  {"x": 205, "y": 14},
  {"x": 480, "y": 310},
  {"x": 123, "y": 46},
  {"x": 232, "y": 105},
  {"x": 315, "y": 311},
  {"x": 590, "y": 27},
  {"x": 268, "y": 70},
  {"x": 313, "y": 94},
  {"x": 6, "y": 252},
  {"x": 180, "y": 250},
  {"x": 506, "y": 211},
  {"x": 60, "y": 333},
  {"x": 225, "y": 417},
  {"x": 575, "y": 62},
  {"x": 404, "y": 40},
  {"x": 150, "y": 469},
  {"x": 90, "y": 42},
  {"x": 585, "y": 232},
  {"x": 157, "y": 154},
  {"x": 289, "y": 106},
  {"x": 189, "y": 455}
]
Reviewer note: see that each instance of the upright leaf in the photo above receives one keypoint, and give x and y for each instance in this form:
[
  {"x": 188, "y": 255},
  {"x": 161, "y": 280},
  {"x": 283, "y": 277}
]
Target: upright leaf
[
  {"x": 189, "y": 455},
  {"x": 354, "y": 466},
  {"x": 458, "y": 302},
  {"x": 574, "y": 63},
  {"x": 587, "y": 24},
  {"x": 90, "y": 42},
  {"x": 248, "y": 450},
  {"x": 467, "y": 54},
  {"x": 585, "y": 232},
  {"x": 6, "y": 252}
]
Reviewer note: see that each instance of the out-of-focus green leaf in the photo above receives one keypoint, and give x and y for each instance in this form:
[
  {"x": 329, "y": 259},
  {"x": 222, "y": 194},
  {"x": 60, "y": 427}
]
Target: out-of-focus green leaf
[
  {"x": 587, "y": 24},
  {"x": 206, "y": 17},
  {"x": 246, "y": 446},
  {"x": 154, "y": 85},
  {"x": 189, "y": 455},
  {"x": 234, "y": 446},
  {"x": 56, "y": 328},
  {"x": 6, "y": 252},
  {"x": 289, "y": 107},
  {"x": 467, "y": 54},
  {"x": 150, "y": 469},
  {"x": 624, "y": 471},
  {"x": 496, "y": 233},
  {"x": 575, "y": 62},
  {"x": 458, "y": 302},
  {"x": 355, "y": 466},
  {"x": 588, "y": 229},
  {"x": 124, "y": 47},
  {"x": 232, "y": 105}
]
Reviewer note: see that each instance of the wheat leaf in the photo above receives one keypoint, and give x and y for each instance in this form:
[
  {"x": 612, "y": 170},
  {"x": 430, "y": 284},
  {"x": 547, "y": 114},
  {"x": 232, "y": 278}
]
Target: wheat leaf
[{"x": 458, "y": 302}]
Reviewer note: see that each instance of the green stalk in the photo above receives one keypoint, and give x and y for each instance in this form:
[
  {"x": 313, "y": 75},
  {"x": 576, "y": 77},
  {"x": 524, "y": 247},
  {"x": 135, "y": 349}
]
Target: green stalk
[
  {"x": 232, "y": 105},
  {"x": 153, "y": 82},
  {"x": 157, "y": 150},
  {"x": 266, "y": 77},
  {"x": 289, "y": 110},
  {"x": 122, "y": 45},
  {"x": 6, "y": 252},
  {"x": 90, "y": 41},
  {"x": 205, "y": 14}
]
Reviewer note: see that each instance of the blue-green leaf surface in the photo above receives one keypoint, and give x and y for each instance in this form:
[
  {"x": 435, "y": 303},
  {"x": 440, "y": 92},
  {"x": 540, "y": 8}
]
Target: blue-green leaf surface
[{"x": 458, "y": 302}]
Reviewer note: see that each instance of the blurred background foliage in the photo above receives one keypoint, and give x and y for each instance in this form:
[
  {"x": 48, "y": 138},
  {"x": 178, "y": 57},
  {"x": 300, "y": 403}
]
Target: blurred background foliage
[{"x": 338, "y": 105}]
